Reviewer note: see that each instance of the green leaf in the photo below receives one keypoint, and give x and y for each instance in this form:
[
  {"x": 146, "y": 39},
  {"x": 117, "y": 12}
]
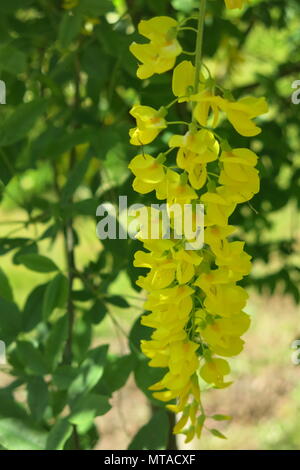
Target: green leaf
[
  {"x": 82, "y": 337},
  {"x": 221, "y": 417},
  {"x": 85, "y": 410},
  {"x": 32, "y": 313},
  {"x": 116, "y": 373},
  {"x": 10, "y": 321},
  {"x": 217, "y": 433},
  {"x": 154, "y": 435},
  {"x": 18, "y": 435},
  {"x": 37, "y": 397},
  {"x": 69, "y": 28},
  {"x": 55, "y": 295},
  {"x": 59, "y": 435},
  {"x": 118, "y": 301},
  {"x": 75, "y": 178},
  {"x": 94, "y": 7},
  {"x": 55, "y": 344},
  {"x": 21, "y": 122},
  {"x": 24, "y": 250},
  {"x": 63, "y": 376},
  {"x": 103, "y": 141},
  {"x": 9, "y": 408},
  {"x": 13, "y": 5},
  {"x": 31, "y": 358},
  {"x": 89, "y": 372},
  {"x": 38, "y": 263},
  {"x": 8, "y": 244},
  {"x": 12, "y": 60},
  {"x": 146, "y": 376},
  {"x": 86, "y": 207},
  {"x": 58, "y": 399},
  {"x": 97, "y": 313},
  {"x": 90, "y": 439},
  {"x": 5, "y": 288},
  {"x": 55, "y": 141},
  {"x": 137, "y": 333}
]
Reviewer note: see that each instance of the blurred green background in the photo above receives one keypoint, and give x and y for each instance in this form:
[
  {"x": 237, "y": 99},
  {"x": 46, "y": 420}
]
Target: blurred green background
[{"x": 64, "y": 149}]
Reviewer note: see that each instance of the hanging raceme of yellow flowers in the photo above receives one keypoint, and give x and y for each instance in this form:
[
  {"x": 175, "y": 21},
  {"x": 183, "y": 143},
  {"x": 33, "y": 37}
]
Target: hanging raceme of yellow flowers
[{"x": 195, "y": 302}]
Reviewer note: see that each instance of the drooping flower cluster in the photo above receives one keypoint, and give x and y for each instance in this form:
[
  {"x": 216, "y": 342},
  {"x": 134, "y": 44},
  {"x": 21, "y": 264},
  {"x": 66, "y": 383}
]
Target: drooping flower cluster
[{"x": 194, "y": 304}]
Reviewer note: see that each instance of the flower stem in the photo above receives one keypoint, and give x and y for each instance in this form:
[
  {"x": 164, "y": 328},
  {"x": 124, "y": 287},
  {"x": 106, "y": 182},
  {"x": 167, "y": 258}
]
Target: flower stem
[
  {"x": 178, "y": 122},
  {"x": 171, "y": 104},
  {"x": 199, "y": 44},
  {"x": 188, "y": 28}
]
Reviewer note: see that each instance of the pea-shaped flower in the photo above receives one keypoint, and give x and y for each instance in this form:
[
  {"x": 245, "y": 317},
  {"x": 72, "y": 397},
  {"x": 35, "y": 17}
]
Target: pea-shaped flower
[
  {"x": 149, "y": 122},
  {"x": 158, "y": 55}
]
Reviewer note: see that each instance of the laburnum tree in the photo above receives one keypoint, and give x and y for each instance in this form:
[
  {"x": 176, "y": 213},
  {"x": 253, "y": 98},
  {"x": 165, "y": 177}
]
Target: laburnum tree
[{"x": 80, "y": 76}]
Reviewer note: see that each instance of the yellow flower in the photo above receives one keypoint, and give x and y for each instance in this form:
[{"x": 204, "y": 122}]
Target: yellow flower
[
  {"x": 240, "y": 179},
  {"x": 149, "y": 121},
  {"x": 226, "y": 300},
  {"x": 183, "y": 363},
  {"x": 231, "y": 4},
  {"x": 149, "y": 173},
  {"x": 223, "y": 335},
  {"x": 158, "y": 28},
  {"x": 184, "y": 81},
  {"x": 162, "y": 270},
  {"x": 195, "y": 150},
  {"x": 149, "y": 224},
  {"x": 214, "y": 371},
  {"x": 240, "y": 114},
  {"x": 159, "y": 55},
  {"x": 206, "y": 103},
  {"x": 201, "y": 143},
  {"x": 232, "y": 256},
  {"x": 157, "y": 246},
  {"x": 218, "y": 209},
  {"x": 176, "y": 191},
  {"x": 215, "y": 235},
  {"x": 239, "y": 158},
  {"x": 208, "y": 281},
  {"x": 171, "y": 296},
  {"x": 186, "y": 262}
]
